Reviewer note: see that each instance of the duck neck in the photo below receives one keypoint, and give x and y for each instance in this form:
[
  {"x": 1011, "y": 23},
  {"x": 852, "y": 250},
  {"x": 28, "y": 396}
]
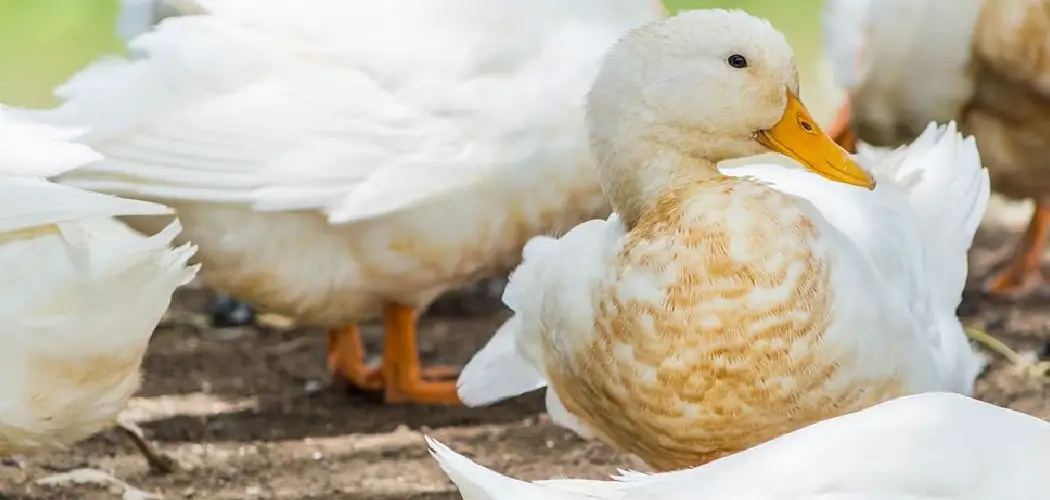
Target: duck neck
[{"x": 636, "y": 179}]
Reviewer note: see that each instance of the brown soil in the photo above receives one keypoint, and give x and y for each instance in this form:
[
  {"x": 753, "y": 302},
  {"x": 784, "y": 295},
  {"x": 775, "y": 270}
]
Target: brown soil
[{"x": 249, "y": 414}]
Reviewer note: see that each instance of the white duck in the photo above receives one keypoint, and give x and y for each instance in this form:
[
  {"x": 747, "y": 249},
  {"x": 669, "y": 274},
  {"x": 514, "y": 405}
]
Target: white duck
[
  {"x": 921, "y": 447},
  {"x": 82, "y": 294},
  {"x": 334, "y": 160},
  {"x": 719, "y": 309}
]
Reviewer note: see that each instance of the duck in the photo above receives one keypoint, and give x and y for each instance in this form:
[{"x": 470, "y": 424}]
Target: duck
[
  {"x": 754, "y": 278},
  {"x": 82, "y": 294},
  {"x": 927, "y": 446},
  {"x": 979, "y": 64},
  {"x": 338, "y": 161}
]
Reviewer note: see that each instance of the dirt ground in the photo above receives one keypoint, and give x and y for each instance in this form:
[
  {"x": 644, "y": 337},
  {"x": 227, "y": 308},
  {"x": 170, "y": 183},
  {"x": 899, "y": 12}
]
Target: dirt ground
[{"x": 250, "y": 413}]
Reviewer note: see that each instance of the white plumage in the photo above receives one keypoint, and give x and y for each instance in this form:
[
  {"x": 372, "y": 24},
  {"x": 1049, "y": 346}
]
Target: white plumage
[
  {"x": 921, "y": 447},
  {"x": 332, "y": 142},
  {"x": 82, "y": 293}
]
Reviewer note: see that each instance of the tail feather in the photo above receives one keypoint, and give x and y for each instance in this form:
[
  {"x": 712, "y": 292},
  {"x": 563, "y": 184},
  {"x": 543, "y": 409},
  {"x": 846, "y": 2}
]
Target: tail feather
[
  {"x": 33, "y": 202},
  {"x": 479, "y": 483},
  {"x": 498, "y": 371},
  {"x": 948, "y": 191},
  {"x": 507, "y": 365},
  {"x": 513, "y": 293}
]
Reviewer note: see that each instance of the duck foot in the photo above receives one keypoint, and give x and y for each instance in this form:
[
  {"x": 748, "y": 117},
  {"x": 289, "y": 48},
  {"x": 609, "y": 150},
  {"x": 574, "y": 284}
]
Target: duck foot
[
  {"x": 346, "y": 360},
  {"x": 400, "y": 378}
]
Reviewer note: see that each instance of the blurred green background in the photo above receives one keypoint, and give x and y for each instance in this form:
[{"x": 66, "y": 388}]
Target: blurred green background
[{"x": 42, "y": 42}]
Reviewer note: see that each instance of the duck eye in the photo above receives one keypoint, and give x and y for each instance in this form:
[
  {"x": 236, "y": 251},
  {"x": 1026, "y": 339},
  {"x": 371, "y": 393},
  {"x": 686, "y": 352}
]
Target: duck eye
[{"x": 737, "y": 61}]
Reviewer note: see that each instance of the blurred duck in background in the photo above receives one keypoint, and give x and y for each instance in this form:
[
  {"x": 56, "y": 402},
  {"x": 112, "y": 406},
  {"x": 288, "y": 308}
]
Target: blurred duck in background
[
  {"x": 986, "y": 64},
  {"x": 137, "y": 17},
  {"x": 335, "y": 160},
  {"x": 82, "y": 295}
]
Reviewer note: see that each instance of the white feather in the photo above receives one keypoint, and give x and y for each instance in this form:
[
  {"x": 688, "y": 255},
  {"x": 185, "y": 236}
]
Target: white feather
[
  {"x": 920, "y": 447},
  {"x": 497, "y": 371},
  {"x": 309, "y": 106},
  {"x": 486, "y": 379},
  {"x": 916, "y": 227}
]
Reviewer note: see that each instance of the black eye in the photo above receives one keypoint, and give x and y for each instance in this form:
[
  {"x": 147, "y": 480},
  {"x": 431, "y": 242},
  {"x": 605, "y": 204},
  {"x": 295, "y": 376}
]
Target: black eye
[{"x": 737, "y": 61}]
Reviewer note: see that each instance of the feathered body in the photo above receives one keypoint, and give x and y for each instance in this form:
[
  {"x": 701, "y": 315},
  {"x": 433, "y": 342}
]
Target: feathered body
[
  {"x": 82, "y": 293},
  {"x": 330, "y": 156}
]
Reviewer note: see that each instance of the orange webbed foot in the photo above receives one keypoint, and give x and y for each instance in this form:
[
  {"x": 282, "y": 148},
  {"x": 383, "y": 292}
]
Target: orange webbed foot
[
  {"x": 346, "y": 359},
  {"x": 422, "y": 391}
]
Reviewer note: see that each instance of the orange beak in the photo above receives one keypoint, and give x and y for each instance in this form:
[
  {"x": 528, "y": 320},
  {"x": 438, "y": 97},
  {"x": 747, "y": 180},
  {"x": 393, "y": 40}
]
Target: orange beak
[{"x": 798, "y": 136}]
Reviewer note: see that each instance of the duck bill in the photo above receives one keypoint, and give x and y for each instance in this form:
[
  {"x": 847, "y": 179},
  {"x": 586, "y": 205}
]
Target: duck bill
[{"x": 797, "y": 136}]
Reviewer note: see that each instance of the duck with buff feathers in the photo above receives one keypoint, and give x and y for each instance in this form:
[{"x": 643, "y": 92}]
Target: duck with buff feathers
[{"x": 731, "y": 299}]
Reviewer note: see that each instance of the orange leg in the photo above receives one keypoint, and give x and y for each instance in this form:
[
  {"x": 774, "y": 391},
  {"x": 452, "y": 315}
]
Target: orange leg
[
  {"x": 406, "y": 381},
  {"x": 346, "y": 359},
  {"x": 400, "y": 376},
  {"x": 1022, "y": 273},
  {"x": 841, "y": 132}
]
